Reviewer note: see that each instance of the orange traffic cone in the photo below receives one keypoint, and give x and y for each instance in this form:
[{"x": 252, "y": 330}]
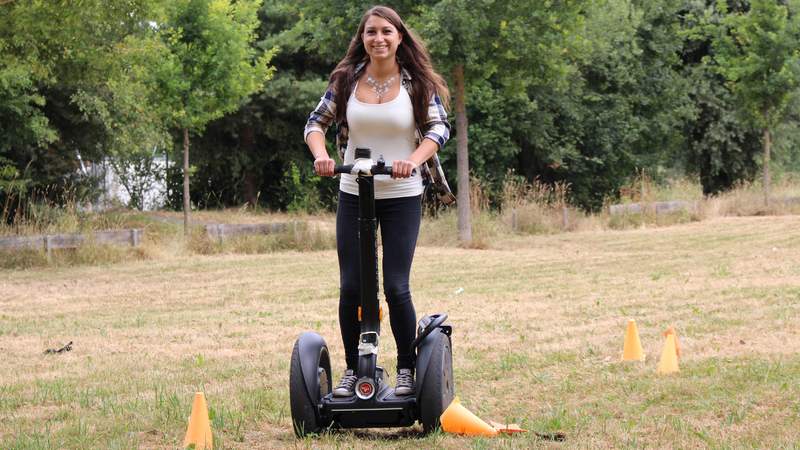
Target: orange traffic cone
[
  {"x": 199, "y": 430},
  {"x": 458, "y": 419},
  {"x": 669, "y": 357},
  {"x": 671, "y": 330},
  {"x": 632, "y": 348}
]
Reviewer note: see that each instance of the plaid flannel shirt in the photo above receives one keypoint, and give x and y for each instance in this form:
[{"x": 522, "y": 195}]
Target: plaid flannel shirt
[{"x": 436, "y": 128}]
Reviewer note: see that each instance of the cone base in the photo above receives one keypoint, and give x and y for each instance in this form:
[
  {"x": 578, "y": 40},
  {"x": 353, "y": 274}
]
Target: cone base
[
  {"x": 198, "y": 432},
  {"x": 459, "y": 420}
]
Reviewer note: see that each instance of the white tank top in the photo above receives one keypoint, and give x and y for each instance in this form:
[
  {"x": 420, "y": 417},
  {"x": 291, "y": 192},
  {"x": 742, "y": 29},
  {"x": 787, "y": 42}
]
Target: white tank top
[{"x": 387, "y": 129}]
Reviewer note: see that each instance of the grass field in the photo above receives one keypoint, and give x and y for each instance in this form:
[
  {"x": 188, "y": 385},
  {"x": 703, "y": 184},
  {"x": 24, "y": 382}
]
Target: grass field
[{"x": 538, "y": 327}]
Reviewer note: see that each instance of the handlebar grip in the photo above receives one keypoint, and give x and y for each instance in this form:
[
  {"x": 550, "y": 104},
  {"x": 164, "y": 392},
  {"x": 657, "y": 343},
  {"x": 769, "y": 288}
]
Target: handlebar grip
[
  {"x": 347, "y": 168},
  {"x": 385, "y": 170}
]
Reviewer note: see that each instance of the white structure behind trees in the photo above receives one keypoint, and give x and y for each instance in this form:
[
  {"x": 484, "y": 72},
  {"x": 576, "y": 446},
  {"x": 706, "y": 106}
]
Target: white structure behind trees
[{"x": 136, "y": 181}]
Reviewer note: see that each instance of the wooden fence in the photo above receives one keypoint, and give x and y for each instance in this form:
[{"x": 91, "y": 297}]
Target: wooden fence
[
  {"x": 679, "y": 205},
  {"x": 221, "y": 231},
  {"x": 657, "y": 207},
  {"x": 50, "y": 242},
  {"x": 564, "y": 219}
]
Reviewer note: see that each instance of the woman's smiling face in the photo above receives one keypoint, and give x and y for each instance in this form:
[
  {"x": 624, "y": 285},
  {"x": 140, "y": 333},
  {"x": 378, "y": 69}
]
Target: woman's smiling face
[{"x": 381, "y": 38}]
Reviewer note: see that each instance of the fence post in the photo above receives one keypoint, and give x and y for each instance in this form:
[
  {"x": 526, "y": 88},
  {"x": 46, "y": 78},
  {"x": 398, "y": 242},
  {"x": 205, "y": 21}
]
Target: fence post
[
  {"x": 220, "y": 231},
  {"x": 135, "y": 237},
  {"x": 47, "y": 247},
  {"x": 514, "y": 220}
]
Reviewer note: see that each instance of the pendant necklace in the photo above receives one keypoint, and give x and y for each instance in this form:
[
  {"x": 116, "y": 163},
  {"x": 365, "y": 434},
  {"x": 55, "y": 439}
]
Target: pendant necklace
[{"x": 380, "y": 87}]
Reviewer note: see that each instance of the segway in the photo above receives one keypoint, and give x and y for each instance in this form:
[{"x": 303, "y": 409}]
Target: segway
[{"x": 374, "y": 404}]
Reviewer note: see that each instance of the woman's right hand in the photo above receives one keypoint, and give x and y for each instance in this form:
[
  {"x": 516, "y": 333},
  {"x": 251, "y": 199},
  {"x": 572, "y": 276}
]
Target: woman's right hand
[{"x": 324, "y": 166}]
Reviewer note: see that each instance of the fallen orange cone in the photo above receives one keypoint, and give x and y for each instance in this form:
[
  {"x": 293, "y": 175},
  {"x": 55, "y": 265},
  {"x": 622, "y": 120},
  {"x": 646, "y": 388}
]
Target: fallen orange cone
[
  {"x": 669, "y": 357},
  {"x": 632, "y": 348},
  {"x": 458, "y": 419},
  {"x": 199, "y": 430}
]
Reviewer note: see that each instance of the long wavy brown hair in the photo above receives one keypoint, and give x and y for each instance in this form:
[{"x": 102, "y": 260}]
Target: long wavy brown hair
[{"x": 411, "y": 55}]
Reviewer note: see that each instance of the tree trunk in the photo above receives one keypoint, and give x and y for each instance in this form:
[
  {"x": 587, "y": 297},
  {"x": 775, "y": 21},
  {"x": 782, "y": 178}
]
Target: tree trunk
[
  {"x": 247, "y": 141},
  {"x": 767, "y": 179},
  {"x": 249, "y": 188},
  {"x": 462, "y": 162},
  {"x": 186, "y": 205}
]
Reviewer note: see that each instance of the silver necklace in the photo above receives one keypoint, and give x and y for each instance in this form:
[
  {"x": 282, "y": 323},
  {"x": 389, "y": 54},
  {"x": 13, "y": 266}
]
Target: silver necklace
[{"x": 380, "y": 87}]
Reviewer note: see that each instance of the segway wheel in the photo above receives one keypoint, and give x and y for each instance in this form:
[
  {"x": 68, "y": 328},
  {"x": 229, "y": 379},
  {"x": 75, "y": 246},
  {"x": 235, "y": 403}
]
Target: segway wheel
[
  {"x": 438, "y": 388},
  {"x": 309, "y": 381}
]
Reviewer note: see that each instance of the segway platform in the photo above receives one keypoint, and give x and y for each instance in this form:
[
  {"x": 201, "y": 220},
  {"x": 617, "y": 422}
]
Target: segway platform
[{"x": 384, "y": 410}]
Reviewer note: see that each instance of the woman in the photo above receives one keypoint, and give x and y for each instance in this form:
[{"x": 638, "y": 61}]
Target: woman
[{"x": 383, "y": 95}]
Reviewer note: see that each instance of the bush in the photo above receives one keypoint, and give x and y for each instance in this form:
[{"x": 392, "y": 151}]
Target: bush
[{"x": 537, "y": 207}]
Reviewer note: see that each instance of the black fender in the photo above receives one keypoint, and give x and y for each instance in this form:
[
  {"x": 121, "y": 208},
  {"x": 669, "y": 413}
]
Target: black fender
[
  {"x": 424, "y": 355},
  {"x": 310, "y": 347},
  {"x": 426, "y": 325}
]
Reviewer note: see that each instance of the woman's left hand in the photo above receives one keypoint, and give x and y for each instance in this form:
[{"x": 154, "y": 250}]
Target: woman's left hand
[{"x": 403, "y": 168}]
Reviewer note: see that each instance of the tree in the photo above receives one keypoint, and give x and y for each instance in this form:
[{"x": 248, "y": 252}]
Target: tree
[
  {"x": 757, "y": 53},
  {"x": 474, "y": 41},
  {"x": 264, "y": 133},
  {"x": 721, "y": 147},
  {"x": 53, "y": 71},
  {"x": 208, "y": 67},
  {"x": 626, "y": 106}
]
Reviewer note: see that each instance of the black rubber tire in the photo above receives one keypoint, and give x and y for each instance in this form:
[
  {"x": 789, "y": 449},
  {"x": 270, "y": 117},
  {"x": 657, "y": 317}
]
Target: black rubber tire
[
  {"x": 305, "y": 417},
  {"x": 438, "y": 388}
]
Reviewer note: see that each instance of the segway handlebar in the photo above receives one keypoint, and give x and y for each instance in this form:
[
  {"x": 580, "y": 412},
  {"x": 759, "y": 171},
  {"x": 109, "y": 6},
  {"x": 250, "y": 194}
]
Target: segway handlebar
[{"x": 376, "y": 169}]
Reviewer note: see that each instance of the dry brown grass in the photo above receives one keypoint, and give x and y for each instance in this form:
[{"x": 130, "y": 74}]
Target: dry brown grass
[
  {"x": 538, "y": 325},
  {"x": 526, "y": 208},
  {"x": 748, "y": 200},
  {"x": 745, "y": 199}
]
